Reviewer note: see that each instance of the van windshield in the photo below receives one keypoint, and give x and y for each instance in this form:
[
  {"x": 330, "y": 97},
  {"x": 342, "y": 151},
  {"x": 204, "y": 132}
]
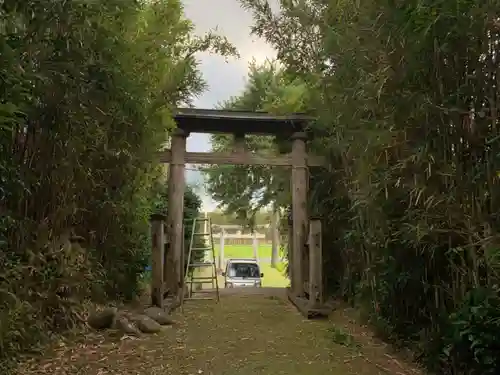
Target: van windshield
[{"x": 250, "y": 270}]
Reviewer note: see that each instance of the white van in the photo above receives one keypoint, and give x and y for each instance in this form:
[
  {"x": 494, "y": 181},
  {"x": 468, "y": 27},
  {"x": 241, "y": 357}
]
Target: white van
[{"x": 242, "y": 273}]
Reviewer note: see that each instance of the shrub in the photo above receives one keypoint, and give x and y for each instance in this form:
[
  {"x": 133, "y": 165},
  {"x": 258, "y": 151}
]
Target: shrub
[{"x": 86, "y": 93}]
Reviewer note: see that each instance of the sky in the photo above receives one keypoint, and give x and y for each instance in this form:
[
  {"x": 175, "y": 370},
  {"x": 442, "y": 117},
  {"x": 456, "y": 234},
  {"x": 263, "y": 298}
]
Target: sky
[{"x": 225, "y": 78}]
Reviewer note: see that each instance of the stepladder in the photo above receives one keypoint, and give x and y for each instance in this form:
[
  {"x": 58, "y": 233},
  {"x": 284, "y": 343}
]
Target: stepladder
[{"x": 201, "y": 281}]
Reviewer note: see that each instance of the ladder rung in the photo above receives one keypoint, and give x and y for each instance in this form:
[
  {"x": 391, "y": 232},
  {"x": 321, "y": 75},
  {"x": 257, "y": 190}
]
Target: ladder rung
[
  {"x": 206, "y": 261},
  {"x": 205, "y": 264}
]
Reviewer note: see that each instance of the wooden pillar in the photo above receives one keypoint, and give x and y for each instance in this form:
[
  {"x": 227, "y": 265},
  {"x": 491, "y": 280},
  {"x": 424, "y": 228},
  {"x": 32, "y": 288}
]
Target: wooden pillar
[
  {"x": 157, "y": 252},
  {"x": 275, "y": 237},
  {"x": 315, "y": 264},
  {"x": 182, "y": 274},
  {"x": 175, "y": 219},
  {"x": 221, "y": 250},
  {"x": 289, "y": 248},
  {"x": 299, "y": 209}
]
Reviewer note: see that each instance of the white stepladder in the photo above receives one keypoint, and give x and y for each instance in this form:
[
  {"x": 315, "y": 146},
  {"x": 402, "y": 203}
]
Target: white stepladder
[{"x": 201, "y": 265}]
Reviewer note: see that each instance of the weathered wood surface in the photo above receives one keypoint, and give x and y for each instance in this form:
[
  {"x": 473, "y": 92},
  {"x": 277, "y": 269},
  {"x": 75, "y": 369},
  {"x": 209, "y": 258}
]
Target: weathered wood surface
[
  {"x": 299, "y": 209},
  {"x": 175, "y": 220},
  {"x": 221, "y": 249},
  {"x": 309, "y": 312},
  {"x": 316, "y": 296},
  {"x": 239, "y": 124},
  {"x": 240, "y": 158},
  {"x": 158, "y": 240},
  {"x": 305, "y": 269},
  {"x": 198, "y": 120},
  {"x": 290, "y": 255}
]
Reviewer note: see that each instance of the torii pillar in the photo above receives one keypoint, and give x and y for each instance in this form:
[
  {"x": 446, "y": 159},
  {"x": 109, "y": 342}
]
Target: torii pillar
[
  {"x": 299, "y": 210},
  {"x": 174, "y": 269}
]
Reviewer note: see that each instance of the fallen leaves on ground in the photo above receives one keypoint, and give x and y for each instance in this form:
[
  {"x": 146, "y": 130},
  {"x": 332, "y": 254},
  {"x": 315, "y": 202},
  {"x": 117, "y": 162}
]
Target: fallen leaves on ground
[{"x": 243, "y": 334}]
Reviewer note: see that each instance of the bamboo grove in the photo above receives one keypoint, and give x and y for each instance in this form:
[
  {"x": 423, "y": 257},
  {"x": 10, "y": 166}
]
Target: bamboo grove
[
  {"x": 86, "y": 93},
  {"x": 405, "y": 96}
]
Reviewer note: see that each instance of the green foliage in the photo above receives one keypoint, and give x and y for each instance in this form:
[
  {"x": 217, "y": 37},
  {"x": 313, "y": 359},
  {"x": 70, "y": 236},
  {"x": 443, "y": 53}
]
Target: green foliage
[
  {"x": 405, "y": 97},
  {"x": 341, "y": 337},
  {"x": 245, "y": 190},
  {"x": 87, "y": 89},
  {"x": 192, "y": 210},
  {"x": 262, "y": 217},
  {"x": 471, "y": 341}
]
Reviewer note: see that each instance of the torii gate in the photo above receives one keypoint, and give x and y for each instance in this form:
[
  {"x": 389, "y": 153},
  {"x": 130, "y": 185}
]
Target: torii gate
[{"x": 305, "y": 256}]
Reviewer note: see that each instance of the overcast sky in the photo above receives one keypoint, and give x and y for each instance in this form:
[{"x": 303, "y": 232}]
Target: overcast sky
[{"x": 224, "y": 79}]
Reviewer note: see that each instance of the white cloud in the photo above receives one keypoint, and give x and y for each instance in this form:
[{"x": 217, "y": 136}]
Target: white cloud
[
  {"x": 258, "y": 51},
  {"x": 224, "y": 78}
]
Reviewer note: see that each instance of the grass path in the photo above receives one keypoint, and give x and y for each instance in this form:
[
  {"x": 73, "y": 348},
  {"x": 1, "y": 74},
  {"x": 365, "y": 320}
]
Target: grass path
[{"x": 244, "y": 334}]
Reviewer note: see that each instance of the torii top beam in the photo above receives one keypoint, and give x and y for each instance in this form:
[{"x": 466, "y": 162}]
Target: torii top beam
[{"x": 195, "y": 120}]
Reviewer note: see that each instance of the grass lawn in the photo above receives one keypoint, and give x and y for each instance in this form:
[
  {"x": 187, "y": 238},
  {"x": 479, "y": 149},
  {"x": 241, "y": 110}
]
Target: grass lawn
[
  {"x": 273, "y": 277},
  {"x": 243, "y": 251}
]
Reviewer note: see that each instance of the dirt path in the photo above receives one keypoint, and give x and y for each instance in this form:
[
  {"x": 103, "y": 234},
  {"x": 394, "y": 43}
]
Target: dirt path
[{"x": 244, "y": 334}]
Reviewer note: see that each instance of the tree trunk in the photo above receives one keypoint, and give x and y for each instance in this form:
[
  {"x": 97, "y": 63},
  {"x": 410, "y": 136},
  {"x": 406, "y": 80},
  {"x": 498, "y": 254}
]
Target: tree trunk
[{"x": 275, "y": 237}]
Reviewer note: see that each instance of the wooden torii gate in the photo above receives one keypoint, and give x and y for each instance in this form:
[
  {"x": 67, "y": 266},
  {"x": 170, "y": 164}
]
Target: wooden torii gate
[{"x": 305, "y": 255}]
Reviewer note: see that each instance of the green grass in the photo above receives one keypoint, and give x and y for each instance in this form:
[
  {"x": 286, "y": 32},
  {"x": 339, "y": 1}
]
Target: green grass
[
  {"x": 273, "y": 277},
  {"x": 243, "y": 251}
]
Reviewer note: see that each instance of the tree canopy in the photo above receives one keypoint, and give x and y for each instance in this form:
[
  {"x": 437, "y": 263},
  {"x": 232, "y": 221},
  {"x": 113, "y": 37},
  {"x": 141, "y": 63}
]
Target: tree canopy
[{"x": 244, "y": 190}]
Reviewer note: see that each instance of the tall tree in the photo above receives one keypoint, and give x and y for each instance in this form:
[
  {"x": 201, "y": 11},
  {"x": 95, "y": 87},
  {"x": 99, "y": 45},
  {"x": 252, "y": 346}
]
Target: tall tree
[{"x": 244, "y": 190}]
